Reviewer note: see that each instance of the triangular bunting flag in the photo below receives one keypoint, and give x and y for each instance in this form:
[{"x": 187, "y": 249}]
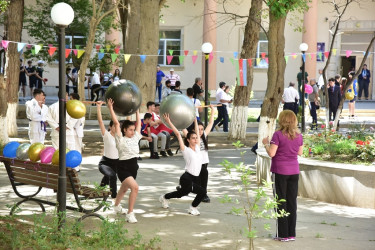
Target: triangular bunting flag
[
  {"x": 101, "y": 50},
  {"x": 206, "y": 57},
  {"x": 114, "y": 57},
  {"x": 250, "y": 62},
  {"x": 210, "y": 57},
  {"x": 312, "y": 56},
  {"x": 222, "y": 59},
  {"x": 29, "y": 46},
  {"x": 326, "y": 54},
  {"x": 80, "y": 53},
  {"x": 334, "y": 52},
  {"x": 51, "y": 50},
  {"x": 235, "y": 54},
  {"x": 258, "y": 61},
  {"x": 170, "y": 52},
  {"x": 304, "y": 57},
  {"x": 67, "y": 46},
  {"x": 195, "y": 52},
  {"x": 77, "y": 46},
  {"x": 20, "y": 46},
  {"x": 97, "y": 47},
  {"x": 286, "y": 58},
  {"x": 320, "y": 56},
  {"x": 5, "y": 43},
  {"x": 38, "y": 48},
  {"x": 67, "y": 52},
  {"x": 117, "y": 50},
  {"x": 181, "y": 59},
  {"x": 50, "y": 45},
  {"x": 159, "y": 51},
  {"x": 231, "y": 60},
  {"x": 186, "y": 52},
  {"x": 263, "y": 54},
  {"x": 169, "y": 59},
  {"x": 294, "y": 55},
  {"x": 107, "y": 46},
  {"x": 194, "y": 58},
  {"x": 100, "y": 55},
  {"x": 143, "y": 58},
  {"x": 127, "y": 57},
  {"x": 32, "y": 51},
  {"x": 266, "y": 60},
  {"x": 75, "y": 52},
  {"x": 348, "y": 53}
]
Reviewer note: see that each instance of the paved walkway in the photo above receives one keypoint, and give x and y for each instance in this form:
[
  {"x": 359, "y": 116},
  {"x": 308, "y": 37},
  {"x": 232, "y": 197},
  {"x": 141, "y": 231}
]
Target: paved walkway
[{"x": 319, "y": 225}]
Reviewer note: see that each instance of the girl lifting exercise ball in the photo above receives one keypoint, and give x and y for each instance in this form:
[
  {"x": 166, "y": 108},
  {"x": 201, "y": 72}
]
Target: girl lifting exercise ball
[{"x": 127, "y": 138}]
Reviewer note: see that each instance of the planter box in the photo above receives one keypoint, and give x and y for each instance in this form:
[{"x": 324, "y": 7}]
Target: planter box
[{"x": 338, "y": 183}]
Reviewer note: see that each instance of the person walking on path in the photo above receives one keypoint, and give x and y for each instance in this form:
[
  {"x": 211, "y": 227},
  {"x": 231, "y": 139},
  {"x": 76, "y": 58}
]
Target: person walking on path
[
  {"x": 159, "y": 79},
  {"x": 301, "y": 80},
  {"x": 222, "y": 110},
  {"x": 36, "y": 112},
  {"x": 127, "y": 138},
  {"x": 290, "y": 98},
  {"x": 313, "y": 99},
  {"x": 364, "y": 81},
  {"x": 190, "y": 149},
  {"x": 108, "y": 163},
  {"x": 285, "y": 146}
]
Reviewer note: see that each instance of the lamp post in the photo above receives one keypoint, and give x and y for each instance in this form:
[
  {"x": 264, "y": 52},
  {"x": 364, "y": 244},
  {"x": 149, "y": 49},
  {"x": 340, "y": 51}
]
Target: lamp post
[
  {"x": 206, "y": 49},
  {"x": 303, "y": 47},
  {"x": 62, "y": 15}
]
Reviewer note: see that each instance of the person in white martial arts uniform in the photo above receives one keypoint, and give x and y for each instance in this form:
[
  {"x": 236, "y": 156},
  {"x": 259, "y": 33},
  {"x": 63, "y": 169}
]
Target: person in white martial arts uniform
[
  {"x": 36, "y": 112},
  {"x": 53, "y": 122}
]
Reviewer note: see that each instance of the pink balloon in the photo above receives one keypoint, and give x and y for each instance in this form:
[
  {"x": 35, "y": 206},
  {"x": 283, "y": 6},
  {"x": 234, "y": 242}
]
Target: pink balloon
[
  {"x": 46, "y": 154},
  {"x": 308, "y": 89}
]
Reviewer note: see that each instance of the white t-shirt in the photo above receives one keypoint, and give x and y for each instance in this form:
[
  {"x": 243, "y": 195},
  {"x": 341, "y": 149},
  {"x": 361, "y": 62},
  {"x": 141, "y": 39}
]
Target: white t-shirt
[
  {"x": 193, "y": 160},
  {"x": 197, "y": 104},
  {"x": 219, "y": 94},
  {"x": 204, "y": 152},
  {"x": 95, "y": 79},
  {"x": 128, "y": 148},
  {"x": 226, "y": 97},
  {"x": 110, "y": 150}
]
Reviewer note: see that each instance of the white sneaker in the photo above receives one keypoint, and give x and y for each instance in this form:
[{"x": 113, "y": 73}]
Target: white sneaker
[
  {"x": 193, "y": 211},
  {"x": 119, "y": 210},
  {"x": 164, "y": 202},
  {"x": 131, "y": 218}
]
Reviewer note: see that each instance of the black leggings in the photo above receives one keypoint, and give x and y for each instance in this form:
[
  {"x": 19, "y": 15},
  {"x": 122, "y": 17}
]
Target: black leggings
[
  {"x": 108, "y": 167},
  {"x": 189, "y": 184}
]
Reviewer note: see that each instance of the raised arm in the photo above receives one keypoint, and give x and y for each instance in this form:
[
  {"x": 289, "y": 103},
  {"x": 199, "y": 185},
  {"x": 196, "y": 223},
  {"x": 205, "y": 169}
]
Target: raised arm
[
  {"x": 175, "y": 131},
  {"x": 210, "y": 122},
  {"x": 196, "y": 129},
  {"x": 100, "y": 119},
  {"x": 114, "y": 117},
  {"x": 138, "y": 122}
]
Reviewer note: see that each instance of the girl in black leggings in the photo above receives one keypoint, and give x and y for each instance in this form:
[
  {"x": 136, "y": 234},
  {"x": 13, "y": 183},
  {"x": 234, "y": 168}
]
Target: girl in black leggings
[{"x": 108, "y": 163}]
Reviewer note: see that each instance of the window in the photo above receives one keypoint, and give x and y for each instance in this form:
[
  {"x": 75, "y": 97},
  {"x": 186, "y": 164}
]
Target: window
[
  {"x": 169, "y": 40},
  {"x": 262, "y": 48}
]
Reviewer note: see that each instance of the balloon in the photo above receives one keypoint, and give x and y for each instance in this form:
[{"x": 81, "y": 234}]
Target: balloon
[
  {"x": 181, "y": 110},
  {"x": 126, "y": 96},
  {"x": 46, "y": 154},
  {"x": 349, "y": 95},
  {"x": 76, "y": 109},
  {"x": 73, "y": 159},
  {"x": 10, "y": 149},
  {"x": 23, "y": 151},
  {"x": 308, "y": 89},
  {"x": 34, "y": 151},
  {"x": 56, "y": 157}
]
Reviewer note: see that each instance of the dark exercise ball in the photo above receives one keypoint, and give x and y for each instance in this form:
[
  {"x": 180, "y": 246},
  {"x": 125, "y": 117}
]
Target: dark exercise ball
[
  {"x": 126, "y": 96},
  {"x": 181, "y": 110}
]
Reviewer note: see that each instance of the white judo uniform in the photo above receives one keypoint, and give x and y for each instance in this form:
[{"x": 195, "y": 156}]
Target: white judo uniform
[
  {"x": 37, "y": 117},
  {"x": 71, "y": 123}
]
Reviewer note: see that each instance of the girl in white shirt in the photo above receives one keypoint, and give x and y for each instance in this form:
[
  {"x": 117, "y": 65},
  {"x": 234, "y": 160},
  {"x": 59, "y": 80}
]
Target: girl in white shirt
[
  {"x": 108, "y": 163},
  {"x": 127, "y": 138},
  {"x": 193, "y": 163}
]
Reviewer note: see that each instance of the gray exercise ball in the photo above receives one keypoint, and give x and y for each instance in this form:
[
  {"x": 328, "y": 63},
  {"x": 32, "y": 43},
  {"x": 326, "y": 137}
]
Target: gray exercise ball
[
  {"x": 126, "y": 96},
  {"x": 180, "y": 108}
]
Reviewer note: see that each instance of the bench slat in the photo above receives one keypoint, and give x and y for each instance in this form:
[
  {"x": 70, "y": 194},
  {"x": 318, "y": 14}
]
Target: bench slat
[
  {"x": 47, "y": 179},
  {"x": 32, "y": 172}
]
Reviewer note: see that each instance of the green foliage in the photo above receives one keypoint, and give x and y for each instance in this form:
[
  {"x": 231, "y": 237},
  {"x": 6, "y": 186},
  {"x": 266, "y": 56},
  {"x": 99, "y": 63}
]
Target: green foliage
[
  {"x": 281, "y": 8},
  {"x": 253, "y": 202},
  {"x": 4, "y": 5}
]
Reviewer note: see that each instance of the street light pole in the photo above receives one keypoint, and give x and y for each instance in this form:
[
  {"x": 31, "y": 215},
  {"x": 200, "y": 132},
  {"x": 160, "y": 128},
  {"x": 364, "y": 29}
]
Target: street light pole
[
  {"x": 303, "y": 48},
  {"x": 206, "y": 49},
  {"x": 62, "y": 15}
]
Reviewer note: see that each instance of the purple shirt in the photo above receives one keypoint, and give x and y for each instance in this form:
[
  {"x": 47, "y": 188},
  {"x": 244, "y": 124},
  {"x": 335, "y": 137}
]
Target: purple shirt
[{"x": 285, "y": 161}]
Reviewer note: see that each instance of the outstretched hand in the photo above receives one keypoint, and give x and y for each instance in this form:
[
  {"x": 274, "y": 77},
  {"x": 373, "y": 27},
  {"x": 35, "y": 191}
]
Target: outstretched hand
[
  {"x": 99, "y": 103},
  {"x": 167, "y": 119},
  {"x": 110, "y": 103}
]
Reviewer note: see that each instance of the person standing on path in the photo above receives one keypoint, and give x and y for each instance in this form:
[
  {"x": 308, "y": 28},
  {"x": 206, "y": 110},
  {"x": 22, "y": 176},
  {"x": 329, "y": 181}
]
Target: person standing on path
[
  {"x": 290, "y": 98},
  {"x": 364, "y": 81},
  {"x": 334, "y": 94},
  {"x": 190, "y": 149},
  {"x": 36, "y": 112},
  {"x": 352, "y": 101},
  {"x": 172, "y": 77},
  {"x": 313, "y": 99},
  {"x": 159, "y": 81},
  {"x": 39, "y": 75},
  {"x": 31, "y": 73},
  {"x": 285, "y": 146},
  {"x": 22, "y": 79},
  {"x": 299, "y": 80},
  {"x": 222, "y": 110},
  {"x": 108, "y": 163}
]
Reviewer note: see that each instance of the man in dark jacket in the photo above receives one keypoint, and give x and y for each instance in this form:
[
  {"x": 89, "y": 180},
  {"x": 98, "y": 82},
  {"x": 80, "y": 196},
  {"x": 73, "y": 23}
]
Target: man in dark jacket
[
  {"x": 364, "y": 81},
  {"x": 334, "y": 94}
]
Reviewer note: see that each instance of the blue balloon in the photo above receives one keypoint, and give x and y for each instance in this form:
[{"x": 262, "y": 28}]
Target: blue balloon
[
  {"x": 10, "y": 149},
  {"x": 73, "y": 159}
]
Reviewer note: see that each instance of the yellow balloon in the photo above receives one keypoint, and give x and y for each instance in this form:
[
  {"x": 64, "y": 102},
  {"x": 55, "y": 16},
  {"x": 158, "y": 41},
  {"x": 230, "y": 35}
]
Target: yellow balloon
[
  {"x": 349, "y": 95},
  {"x": 76, "y": 109},
  {"x": 34, "y": 151},
  {"x": 55, "y": 157}
]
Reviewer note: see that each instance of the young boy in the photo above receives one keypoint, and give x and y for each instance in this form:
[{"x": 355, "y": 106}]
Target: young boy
[{"x": 147, "y": 135}]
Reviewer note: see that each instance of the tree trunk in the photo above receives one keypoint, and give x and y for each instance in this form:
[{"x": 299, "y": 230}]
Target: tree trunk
[
  {"x": 238, "y": 122},
  {"x": 14, "y": 22},
  {"x": 123, "y": 12},
  {"x": 3, "y": 110},
  {"x": 142, "y": 36},
  {"x": 275, "y": 84}
]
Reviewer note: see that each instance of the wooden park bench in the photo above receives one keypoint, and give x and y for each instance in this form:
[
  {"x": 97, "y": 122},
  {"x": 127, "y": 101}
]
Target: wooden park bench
[{"x": 46, "y": 176}]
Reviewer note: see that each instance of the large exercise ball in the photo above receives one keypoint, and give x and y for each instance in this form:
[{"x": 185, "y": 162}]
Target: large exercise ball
[
  {"x": 349, "y": 94},
  {"x": 10, "y": 149},
  {"x": 46, "y": 154},
  {"x": 76, "y": 109},
  {"x": 73, "y": 159},
  {"x": 23, "y": 151},
  {"x": 181, "y": 110},
  {"x": 34, "y": 151},
  {"x": 56, "y": 157},
  {"x": 126, "y": 96}
]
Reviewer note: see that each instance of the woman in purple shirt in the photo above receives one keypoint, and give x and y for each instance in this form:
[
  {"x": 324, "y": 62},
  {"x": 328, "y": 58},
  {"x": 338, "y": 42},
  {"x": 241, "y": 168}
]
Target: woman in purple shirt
[{"x": 284, "y": 148}]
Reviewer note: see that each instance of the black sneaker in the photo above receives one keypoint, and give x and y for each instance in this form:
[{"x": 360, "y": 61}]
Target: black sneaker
[
  {"x": 162, "y": 153},
  {"x": 155, "y": 156},
  {"x": 139, "y": 159},
  {"x": 206, "y": 199},
  {"x": 253, "y": 150},
  {"x": 169, "y": 152}
]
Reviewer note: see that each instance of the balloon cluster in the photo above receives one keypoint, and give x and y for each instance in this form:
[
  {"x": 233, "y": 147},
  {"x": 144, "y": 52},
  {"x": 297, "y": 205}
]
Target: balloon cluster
[{"x": 37, "y": 151}]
